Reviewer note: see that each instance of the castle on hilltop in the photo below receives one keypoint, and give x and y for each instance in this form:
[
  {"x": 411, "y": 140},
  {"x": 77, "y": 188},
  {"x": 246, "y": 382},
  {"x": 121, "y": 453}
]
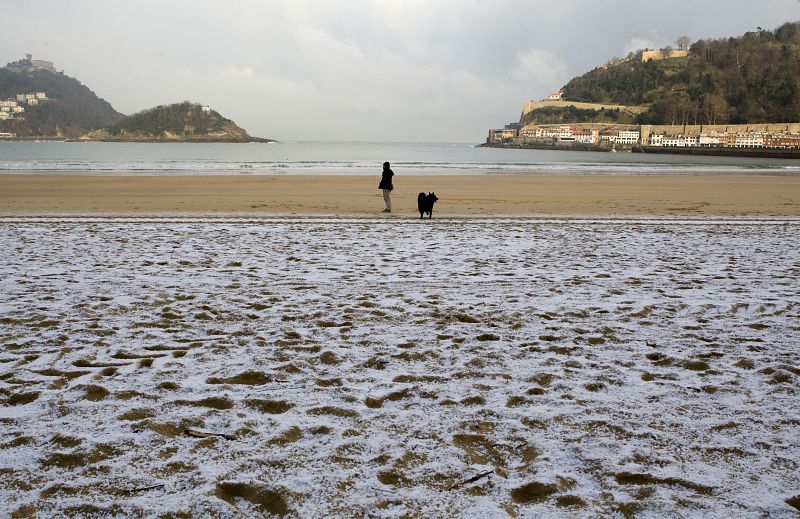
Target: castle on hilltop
[{"x": 37, "y": 64}]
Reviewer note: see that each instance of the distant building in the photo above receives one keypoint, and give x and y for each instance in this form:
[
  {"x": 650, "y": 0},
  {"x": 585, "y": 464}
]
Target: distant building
[
  {"x": 502, "y": 135},
  {"x": 585, "y": 136},
  {"x": 205, "y": 108},
  {"x": 628, "y": 137},
  {"x": 556, "y": 96},
  {"x": 679, "y": 141},
  {"x": 40, "y": 95},
  {"x": 38, "y": 64},
  {"x": 713, "y": 140},
  {"x": 7, "y": 135},
  {"x": 609, "y": 135},
  {"x": 791, "y": 142},
  {"x": 749, "y": 140},
  {"x": 21, "y": 97},
  {"x": 33, "y": 101},
  {"x": 650, "y": 55}
]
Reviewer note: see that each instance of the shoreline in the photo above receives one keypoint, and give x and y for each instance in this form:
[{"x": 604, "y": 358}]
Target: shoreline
[{"x": 657, "y": 195}]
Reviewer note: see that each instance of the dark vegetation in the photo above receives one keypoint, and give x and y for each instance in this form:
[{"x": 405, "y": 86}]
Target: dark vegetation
[
  {"x": 185, "y": 121},
  {"x": 72, "y": 111},
  {"x": 184, "y": 118},
  {"x": 749, "y": 79},
  {"x": 571, "y": 114}
]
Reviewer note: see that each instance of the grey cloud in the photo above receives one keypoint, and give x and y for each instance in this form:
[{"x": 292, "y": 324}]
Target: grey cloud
[{"x": 359, "y": 69}]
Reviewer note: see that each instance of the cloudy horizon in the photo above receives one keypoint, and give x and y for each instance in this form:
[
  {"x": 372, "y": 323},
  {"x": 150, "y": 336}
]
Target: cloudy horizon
[{"x": 394, "y": 70}]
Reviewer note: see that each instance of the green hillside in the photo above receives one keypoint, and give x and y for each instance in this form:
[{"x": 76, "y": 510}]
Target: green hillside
[
  {"x": 73, "y": 109},
  {"x": 748, "y": 79},
  {"x": 180, "y": 122},
  {"x": 571, "y": 114}
]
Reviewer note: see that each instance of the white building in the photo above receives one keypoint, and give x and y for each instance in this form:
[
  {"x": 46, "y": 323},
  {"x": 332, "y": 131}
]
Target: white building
[
  {"x": 749, "y": 140},
  {"x": 205, "y": 108},
  {"x": 546, "y": 133},
  {"x": 585, "y": 136},
  {"x": 40, "y": 95},
  {"x": 681, "y": 141},
  {"x": 628, "y": 137},
  {"x": 713, "y": 139},
  {"x": 620, "y": 136}
]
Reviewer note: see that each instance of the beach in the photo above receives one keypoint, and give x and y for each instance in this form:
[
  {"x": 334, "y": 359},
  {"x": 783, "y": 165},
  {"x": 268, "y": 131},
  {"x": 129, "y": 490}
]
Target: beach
[
  {"x": 700, "y": 195},
  {"x": 562, "y": 339},
  {"x": 340, "y": 367}
]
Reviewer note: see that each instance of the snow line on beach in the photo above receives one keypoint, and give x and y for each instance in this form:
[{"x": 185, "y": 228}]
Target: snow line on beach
[{"x": 334, "y": 367}]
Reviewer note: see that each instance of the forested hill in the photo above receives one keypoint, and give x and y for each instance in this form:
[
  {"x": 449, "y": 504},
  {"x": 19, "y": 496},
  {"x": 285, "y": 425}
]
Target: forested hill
[
  {"x": 180, "y": 122},
  {"x": 71, "y": 110},
  {"x": 749, "y": 79}
]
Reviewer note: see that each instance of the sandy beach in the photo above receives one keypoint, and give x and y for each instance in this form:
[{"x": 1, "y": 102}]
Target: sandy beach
[
  {"x": 341, "y": 367},
  {"x": 470, "y": 195}
]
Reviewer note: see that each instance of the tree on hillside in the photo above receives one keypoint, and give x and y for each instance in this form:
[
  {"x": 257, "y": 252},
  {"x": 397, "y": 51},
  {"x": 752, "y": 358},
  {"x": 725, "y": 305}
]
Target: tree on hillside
[
  {"x": 747, "y": 79},
  {"x": 683, "y": 43}
]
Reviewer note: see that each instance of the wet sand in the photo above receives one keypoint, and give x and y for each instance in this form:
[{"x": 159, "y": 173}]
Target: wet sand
[{"x": 479, "y": 195}]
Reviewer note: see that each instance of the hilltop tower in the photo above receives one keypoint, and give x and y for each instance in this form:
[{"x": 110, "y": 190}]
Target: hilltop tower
[{"x": 38, "y": 64}]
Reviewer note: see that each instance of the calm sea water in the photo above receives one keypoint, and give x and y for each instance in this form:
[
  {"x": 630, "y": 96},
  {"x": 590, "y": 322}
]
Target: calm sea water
[{"x": 352, "y": 158}]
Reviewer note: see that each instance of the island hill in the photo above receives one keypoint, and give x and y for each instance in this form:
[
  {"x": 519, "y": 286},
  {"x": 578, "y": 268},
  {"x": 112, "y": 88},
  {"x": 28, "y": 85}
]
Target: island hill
[
  {"x": 180, "y": 122},
  {"x": 736, "y": 95},
  {"x": 39, "y": 102}
]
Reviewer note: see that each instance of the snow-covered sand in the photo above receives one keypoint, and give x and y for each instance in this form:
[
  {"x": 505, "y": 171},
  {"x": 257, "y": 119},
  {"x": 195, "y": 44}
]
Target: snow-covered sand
[{"x": 352, "y": 367}]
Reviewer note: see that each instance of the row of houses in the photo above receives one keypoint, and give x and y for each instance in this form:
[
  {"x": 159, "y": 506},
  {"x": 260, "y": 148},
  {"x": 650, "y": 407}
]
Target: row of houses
[
  {"x": 547, "y": 134},
  {"x": 627, "y": 136},
  {"x": 11, "y": 108},
  {"x": 579, "y": 134},
  {"x": 32, "y": 98},
  {"x": 753, "y": 140}
]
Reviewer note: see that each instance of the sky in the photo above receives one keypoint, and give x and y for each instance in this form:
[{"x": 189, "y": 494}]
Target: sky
[{"x": 367, "y": 70}]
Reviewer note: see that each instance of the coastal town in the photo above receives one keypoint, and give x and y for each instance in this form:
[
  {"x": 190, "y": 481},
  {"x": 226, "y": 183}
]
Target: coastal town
[
  {"x": 607, "y": 136},
  {"x": 778, "y": 136}
]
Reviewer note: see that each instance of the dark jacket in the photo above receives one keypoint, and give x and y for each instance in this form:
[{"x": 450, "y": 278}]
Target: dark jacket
[{"x": 386, "y": 179}]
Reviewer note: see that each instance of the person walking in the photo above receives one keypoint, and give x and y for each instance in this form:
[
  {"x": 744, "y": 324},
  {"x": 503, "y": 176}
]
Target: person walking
[{"x": 387, "y": 186}]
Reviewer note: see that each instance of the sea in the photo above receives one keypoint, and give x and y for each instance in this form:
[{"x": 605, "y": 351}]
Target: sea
[{"x": 353, "y": 158}]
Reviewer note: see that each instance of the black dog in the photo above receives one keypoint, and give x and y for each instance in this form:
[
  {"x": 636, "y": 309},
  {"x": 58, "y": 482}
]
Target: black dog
[{"x": 425, "y": 204}]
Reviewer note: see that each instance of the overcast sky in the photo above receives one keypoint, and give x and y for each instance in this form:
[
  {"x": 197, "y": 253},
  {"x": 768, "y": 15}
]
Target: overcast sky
[{"x": 378, "y": 70}]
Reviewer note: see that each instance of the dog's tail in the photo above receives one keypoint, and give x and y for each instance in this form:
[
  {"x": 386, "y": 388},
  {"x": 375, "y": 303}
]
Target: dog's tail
[{"x": 420, "y": 200}]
